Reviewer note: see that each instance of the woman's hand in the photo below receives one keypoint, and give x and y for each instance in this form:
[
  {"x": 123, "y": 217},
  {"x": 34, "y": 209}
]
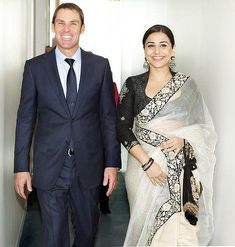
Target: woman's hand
[
  {"x": 173, "y": 144},
  {"x": 156, "y": 175}
]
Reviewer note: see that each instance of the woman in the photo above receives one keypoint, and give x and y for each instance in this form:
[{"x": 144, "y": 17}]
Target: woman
[{"x": 158, "y": 112}]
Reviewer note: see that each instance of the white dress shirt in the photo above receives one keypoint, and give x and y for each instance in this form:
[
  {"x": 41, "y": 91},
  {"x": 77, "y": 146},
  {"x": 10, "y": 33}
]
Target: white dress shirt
[{"x": 63, "y": 67}]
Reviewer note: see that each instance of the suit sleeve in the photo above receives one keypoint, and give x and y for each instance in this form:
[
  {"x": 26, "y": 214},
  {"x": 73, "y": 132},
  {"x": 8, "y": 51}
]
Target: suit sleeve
[
  {"x": 108, "y": 120},
  {"x": 26, "y": 118}
]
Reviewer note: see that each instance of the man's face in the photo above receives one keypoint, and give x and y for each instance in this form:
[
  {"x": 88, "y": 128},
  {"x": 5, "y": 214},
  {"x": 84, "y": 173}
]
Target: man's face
[{"x": 67, "y": 29}]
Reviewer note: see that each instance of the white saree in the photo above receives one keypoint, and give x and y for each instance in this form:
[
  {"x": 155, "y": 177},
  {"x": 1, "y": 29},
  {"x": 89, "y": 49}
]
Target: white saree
[{"x": 156, "y": 216}]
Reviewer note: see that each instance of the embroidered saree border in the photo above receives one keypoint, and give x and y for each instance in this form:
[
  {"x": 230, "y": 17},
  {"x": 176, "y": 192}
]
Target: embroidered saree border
[
  {"x": 161, "y": 98},
  {"x": 174, "y": 164}
]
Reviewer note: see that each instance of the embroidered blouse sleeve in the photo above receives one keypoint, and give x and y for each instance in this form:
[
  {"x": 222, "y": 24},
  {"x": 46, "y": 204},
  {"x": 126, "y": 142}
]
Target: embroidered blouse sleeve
[{"x": 125, "y": 115}]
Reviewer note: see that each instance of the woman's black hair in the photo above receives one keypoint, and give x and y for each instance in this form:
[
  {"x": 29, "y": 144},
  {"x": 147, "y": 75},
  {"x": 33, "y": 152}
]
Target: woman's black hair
[{"x": 159, "y": 28}]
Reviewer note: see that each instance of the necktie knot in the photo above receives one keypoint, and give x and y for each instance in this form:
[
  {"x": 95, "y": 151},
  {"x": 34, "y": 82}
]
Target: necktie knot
[{"x": 70, "y": 61}]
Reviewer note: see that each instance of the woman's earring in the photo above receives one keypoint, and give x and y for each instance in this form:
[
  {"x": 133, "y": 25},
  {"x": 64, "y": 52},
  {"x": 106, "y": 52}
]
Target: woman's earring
[
  {"x": 146, "y": 64},
  {"x": 172, "y": 63}
]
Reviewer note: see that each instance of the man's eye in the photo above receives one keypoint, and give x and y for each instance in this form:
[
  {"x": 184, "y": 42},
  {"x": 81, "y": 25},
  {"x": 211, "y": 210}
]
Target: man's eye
[{"x": 163, "y": 45}]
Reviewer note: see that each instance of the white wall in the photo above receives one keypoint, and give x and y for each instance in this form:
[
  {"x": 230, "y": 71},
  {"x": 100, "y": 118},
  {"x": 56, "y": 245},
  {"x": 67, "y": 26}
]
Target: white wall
[
  {"x": 218, "y": 58},
  {"x": 41, "y": 27},
  {"x": 15, "y": 23},
  {"x": 1, "y": 144}
]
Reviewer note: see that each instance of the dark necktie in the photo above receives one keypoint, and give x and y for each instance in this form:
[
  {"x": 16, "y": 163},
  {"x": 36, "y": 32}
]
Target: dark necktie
[{"x": 71, "y": 94}]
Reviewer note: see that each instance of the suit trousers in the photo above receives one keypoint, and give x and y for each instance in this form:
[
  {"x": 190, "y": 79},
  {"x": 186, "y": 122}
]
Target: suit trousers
[{"x": 54, "y": 204}]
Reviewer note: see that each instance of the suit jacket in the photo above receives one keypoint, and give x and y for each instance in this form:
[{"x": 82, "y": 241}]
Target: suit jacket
[
  {"x": 116, "y": 95},
  {"x": 92, "y": 125}
]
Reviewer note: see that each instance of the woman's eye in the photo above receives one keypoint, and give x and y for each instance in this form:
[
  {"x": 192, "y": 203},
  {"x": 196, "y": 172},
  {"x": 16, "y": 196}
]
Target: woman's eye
[{"x": 150, "y": 46}]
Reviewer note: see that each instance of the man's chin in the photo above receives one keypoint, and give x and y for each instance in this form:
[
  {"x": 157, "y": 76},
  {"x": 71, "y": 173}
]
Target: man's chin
[{"x": 67, "y": 48}]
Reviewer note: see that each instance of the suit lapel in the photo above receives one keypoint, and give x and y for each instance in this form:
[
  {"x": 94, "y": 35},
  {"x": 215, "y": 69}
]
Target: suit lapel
[
  {"x": 54, "y": 78},
  {"x": 83, "y": 80}
]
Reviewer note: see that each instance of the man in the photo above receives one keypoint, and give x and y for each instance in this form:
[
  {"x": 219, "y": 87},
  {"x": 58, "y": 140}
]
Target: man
[{"x": 75, "y": 132}]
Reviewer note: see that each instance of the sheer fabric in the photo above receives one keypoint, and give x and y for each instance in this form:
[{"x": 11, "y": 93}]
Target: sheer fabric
[{"x": 177, "y": 110}]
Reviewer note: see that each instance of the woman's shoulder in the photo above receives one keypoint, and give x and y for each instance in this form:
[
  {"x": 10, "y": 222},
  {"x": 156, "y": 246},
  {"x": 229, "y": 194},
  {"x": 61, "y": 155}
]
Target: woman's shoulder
[
  {"x": 189, "y": 85},
  {"x": 179, "y": 76},
  {"x": 137, "y": 79},
  {"x": 185, "y": 77}
]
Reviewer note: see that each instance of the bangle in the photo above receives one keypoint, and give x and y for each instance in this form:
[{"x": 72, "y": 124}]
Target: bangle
[
  {"x": 147, "y": 165},
  {"x": 146, "y": 168}
]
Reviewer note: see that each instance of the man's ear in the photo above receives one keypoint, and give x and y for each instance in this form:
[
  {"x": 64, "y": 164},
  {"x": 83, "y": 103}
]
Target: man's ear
[
  {"x": 83, "y": 28},
  {"x": 53, "y": 27}
]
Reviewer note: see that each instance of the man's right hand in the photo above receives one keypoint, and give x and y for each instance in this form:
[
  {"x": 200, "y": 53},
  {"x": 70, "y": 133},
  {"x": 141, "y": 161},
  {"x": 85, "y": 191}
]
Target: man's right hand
[{"x": 22, "y": 179}]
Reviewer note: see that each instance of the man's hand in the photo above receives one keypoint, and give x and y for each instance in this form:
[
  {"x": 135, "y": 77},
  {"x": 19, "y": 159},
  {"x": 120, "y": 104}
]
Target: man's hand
[
  {"x": 110, "y": 179},
  {"x": 22, "y": 179}
]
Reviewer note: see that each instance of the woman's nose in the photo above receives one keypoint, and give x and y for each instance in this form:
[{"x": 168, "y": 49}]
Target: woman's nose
[{"x": 156, "y": 50}]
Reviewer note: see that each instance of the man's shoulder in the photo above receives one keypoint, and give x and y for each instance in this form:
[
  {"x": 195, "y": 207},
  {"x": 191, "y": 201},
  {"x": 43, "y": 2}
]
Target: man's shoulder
[
  {"x": 90, "y": 55},
  {"x": 42, "y": 57}
]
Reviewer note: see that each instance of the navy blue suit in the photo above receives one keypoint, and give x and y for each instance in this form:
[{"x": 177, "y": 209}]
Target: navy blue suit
[{"x": 92, "y": 126}]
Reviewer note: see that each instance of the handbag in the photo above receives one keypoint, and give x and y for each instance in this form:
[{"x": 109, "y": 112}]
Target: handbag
[{"x": 192, "y": 188}]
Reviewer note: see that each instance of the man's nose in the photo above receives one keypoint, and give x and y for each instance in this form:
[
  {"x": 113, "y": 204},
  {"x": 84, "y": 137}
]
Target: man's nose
[{"x": 66, "y": 27}]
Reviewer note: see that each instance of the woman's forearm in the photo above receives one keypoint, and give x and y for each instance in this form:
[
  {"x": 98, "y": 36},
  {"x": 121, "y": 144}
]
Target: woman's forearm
[{"x": 138, "y": 152}]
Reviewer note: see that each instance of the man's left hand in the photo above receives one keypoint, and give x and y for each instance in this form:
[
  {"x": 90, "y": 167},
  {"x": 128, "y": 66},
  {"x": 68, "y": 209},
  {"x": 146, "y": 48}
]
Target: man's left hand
[{"x": 110, "y": 179}]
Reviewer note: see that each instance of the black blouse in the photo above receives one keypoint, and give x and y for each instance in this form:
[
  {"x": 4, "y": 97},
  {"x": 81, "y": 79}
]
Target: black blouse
[{"x": 132, "y": 100}]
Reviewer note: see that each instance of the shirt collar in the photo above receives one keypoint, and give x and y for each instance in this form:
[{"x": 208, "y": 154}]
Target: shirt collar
[{"x": 60, "y": 57}]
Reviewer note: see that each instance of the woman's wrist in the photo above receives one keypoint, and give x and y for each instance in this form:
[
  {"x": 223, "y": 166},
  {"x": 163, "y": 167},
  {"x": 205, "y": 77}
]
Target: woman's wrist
[{"x": 148, "y": 164}]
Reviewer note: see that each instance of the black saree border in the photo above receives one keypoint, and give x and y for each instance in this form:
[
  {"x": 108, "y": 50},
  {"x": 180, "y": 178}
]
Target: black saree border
[
  {"x": 161, "y": 98},
  {"x": 175, "y": 165}
]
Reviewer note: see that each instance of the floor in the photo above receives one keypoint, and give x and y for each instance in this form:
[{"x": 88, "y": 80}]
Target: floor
[{"x": 112, "y": 227}]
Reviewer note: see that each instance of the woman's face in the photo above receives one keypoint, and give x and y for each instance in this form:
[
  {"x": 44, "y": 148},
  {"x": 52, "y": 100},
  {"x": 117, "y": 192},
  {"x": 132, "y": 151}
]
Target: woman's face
[{"x": 158, "y": 50}]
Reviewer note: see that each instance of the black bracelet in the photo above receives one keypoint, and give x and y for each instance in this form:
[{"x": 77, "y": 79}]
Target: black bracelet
[{"x": 147, "y": 165}]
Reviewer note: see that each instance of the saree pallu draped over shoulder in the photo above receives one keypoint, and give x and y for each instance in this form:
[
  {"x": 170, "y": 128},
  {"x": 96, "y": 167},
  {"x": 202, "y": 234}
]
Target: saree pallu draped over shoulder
[{"x": 156, "y": 213}]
